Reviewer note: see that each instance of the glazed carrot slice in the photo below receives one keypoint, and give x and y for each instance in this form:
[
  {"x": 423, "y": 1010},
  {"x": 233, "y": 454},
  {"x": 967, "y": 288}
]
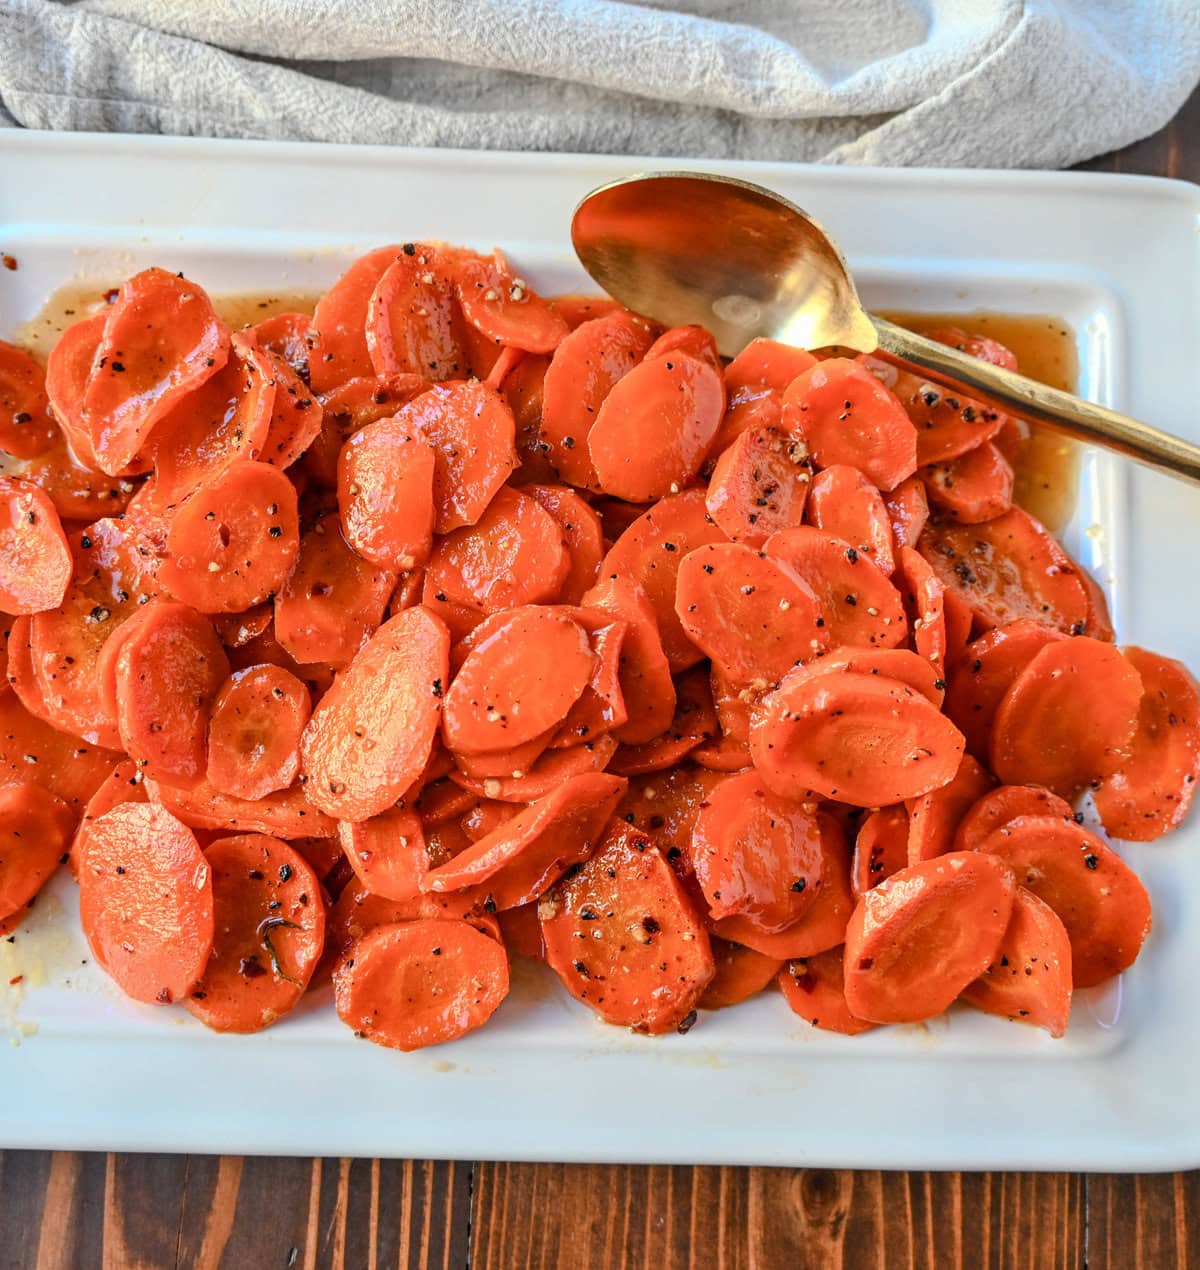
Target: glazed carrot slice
[
  {"x": 1002, "y": 804},
  {"x": 513, "y": 555},
  {"x": 1097, "y": 896},
  {"x": 741, "y": 973},
  {"x": 146, "y": 902},
  {"x": 748, "y": 409},
  {"x": 123, "y": 784},
  {"x": 981, "y": 346},
  {"x": 582, "y": 372},
  {"x": 694, "y": 722},
  {"x": 232, "y": 543},
  {"x": 934, "y": 818},
  {"x": 227, "y": 418},
  {"x": 504, "y": 308},
  {"x": 757, "y": 855},
  {"x": 815, "y": 989},
  {"x": 693, "y": 340},
  {"x": 1098, "y": 623},
  {"x": 254, "y": 732},
  {"x": 918, "y": 939},
  {"x": 236, "y": 630},
  {"x": 754, "y": 615},
  {"x": 169, "y": 670},
  {"x": 78, "y": 493},
  {"x": 331, "y": 601},
  {"x": 655, "y": 426},
  {"x": 652, "y": 960},
  {"x": 600, "y": 707},
  {"x": 908, "y": 510},
  {"x": 441, "y": 801},
  {"x": 759, "y": 486},
  {"x": 924, "y": 605},
  {"x": 859, "y": 605},
  {"x": 847, "y": 416},
  {"x": 985, "y": 671},
  {"x": 485, "y": 816},
  {"x": 844, "y": 503},
  {"x": 644, "y": 675},
  {"x": 269, "y": 934},
  {"x": 1150, "y": 792},
  {"x": 362, "y": 748},
  {"x": 26, "y": 428},
  {"x": 1030, "y": 978},
  {"x": 732, "y": 705},
  {"x": 582, "y": 534},
  {"x": 511, "y": 762},
  {"x": 285, "y": 335},
  {"x": 518, "y": 682},
  {"x": 650, "y": 552},
  {"x": 1067, "y": 718},
  {"x": 67, "y": 371},
  {"x": 880, "y": 849},
  {"x": 577, "y": 309},
  {"x": 296, "y": 414},
  {"x": 264, "y": 649},
  {"x": 35, "y": 829},
  {"x": 413, "y": 323},
  {"x": 387, "y": 852},
  {"x": 665, "y": 805},
  {"x": 161, "y": 340},
  {"x": 385, "y": 495},
  {"x": 338, "y": 337},
  {"x": 472, "y": 431},
  {"x": 823, "y": 926},
  {"x": 526, "y": 854},
  {"x": 350, "y": 407},
  {"x": 414, "y": 984},
  {"x": 974, "y": 487},
  {"x": 862, "y": 739},
  {"x": 958, "y": 621},
  {"x": 284, "y": 814},
  {"x": 890, "y": 663},
  {"x": 35, "y": 559},
  {"x": 766, "y": 363},
  {"x": 1006, "y": 569},
  {"x": 546, "y": 775}
]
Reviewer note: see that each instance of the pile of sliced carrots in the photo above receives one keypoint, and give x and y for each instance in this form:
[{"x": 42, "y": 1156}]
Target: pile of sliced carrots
[{"x": 451, "y": 623}]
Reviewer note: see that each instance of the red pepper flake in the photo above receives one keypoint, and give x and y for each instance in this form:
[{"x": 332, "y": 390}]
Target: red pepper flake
[{"x": 9, "y": 262}]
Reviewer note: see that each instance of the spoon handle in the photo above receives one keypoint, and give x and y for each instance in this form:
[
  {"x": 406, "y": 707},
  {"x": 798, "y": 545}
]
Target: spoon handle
[{"x": 1083, "y": 420}]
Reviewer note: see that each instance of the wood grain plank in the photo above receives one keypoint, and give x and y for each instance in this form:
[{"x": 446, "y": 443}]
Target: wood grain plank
[{"x": 1151, "y": 1222}]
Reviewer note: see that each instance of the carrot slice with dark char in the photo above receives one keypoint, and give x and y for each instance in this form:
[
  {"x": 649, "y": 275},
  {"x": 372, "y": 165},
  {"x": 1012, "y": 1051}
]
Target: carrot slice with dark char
[
  {"x": 880, "y": 849},
  {"x": 759, "y": 486},
  {"x": 168, "y": 672},
  {"x": 35, "y": 829},
  {"x": 814, "y": 988},
  {"x": 527, "y": 853},
  {"x": 933, "y": 819},
  {"x": 233, "y": 541},
  {"x": 146, "y": 902},
  {"x": 844, "y": 503},
  {"x": 1150, "y": 792},
  {"x": 414, "y": 984},
  {"x": 1030, "y": 979},
  {"x": 985, "y": 671},
  {"x": 254, "y": 733},
  {"x": 860, "y": 606},
  {"x": 757, "y": 855},
  {"x": 582, "y": 372},
  {"x": 862, "y": 739},
  {"x": 655, "y": 427},
  {"x": 35, "y": 559},
  {"x": 754, "y": 615},
  {"x": 1067, "y": 718},
  {"x": 652, "y": 960},
  {"x": 268, "y": 934},
  {"x": 1098, "y": 897},
  {"x": 1002, "y": 804},
  {"x": 387, "y": 852},
  {"x": 26, "y": 428},
  {"x": 741, "y": 973},
  {"x": 847, "y": 416},
  {"x": 1008, "y": 568},
  {"x": 338, "y": 337},
  {"x": 918, "y": 939},
  {"x": 413, "y": 322}
]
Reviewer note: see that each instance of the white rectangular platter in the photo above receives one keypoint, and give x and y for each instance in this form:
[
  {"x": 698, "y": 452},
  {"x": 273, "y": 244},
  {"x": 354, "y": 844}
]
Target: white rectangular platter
[{"x": 1118, "y": 257}]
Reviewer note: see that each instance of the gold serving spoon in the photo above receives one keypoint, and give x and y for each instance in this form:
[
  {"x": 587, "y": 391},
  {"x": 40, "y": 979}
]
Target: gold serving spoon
[{"x": 684, "y": 247}]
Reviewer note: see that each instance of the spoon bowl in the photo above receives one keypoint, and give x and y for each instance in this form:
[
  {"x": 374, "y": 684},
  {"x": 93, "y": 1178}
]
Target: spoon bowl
[{"x": 688, "y": 247}]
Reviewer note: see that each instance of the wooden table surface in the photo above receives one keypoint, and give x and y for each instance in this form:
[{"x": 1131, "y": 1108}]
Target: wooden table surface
[{"x": 121, "y": 1212}]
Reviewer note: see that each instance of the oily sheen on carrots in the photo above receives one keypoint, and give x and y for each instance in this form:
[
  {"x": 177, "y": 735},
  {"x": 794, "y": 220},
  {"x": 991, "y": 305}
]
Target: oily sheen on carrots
[{"x": 362, "y": 650}]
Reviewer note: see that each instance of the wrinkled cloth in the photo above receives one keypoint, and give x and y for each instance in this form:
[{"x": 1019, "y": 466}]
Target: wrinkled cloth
[{"x": 990, "y": 83}]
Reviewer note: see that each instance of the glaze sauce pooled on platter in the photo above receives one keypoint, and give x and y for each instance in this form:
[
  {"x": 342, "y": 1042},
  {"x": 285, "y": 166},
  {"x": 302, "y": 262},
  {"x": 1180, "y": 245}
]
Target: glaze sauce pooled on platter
[{"x": 1047, "y": 469}]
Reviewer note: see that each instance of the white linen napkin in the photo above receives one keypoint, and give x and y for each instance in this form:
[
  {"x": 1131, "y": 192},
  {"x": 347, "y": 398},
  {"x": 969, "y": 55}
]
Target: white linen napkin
[{"x": 995, "y": 83}]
